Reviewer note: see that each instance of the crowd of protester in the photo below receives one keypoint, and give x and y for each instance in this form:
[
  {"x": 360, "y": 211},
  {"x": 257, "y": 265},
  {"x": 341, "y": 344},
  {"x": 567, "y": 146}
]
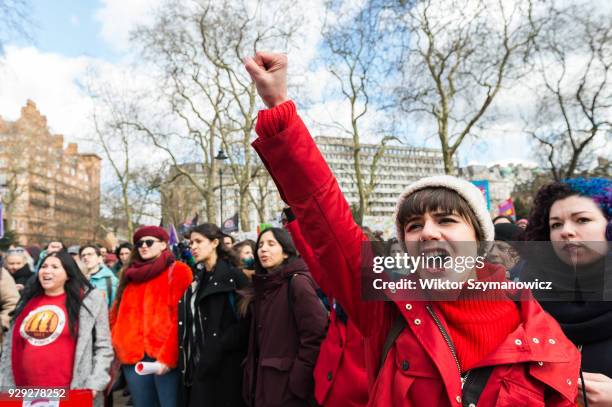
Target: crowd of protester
[{"x": 282, "y": 321}]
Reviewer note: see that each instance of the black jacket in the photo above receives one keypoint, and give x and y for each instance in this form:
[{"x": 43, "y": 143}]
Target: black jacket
[
  {"x": 575, "y": 301},
  {"x": 22, "y": 275},
  {"x": 212, "y": 340}
]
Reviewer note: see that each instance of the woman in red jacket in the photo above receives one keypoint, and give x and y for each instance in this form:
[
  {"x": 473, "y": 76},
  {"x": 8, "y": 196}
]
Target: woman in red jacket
[
  {"x": 444, "y": 353},
  {"x": 144, "y": 317}
]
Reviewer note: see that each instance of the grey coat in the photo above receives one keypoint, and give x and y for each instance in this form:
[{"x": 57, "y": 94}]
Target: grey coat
[{"x": 93, "y": 354}]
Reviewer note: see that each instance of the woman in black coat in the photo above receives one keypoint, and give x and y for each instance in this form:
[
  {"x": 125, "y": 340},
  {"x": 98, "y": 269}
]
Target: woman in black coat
[{"x": 212, "y": 336}]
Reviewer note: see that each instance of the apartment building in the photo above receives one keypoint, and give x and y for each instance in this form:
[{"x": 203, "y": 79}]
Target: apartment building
[{"x": 49, "y": 191}]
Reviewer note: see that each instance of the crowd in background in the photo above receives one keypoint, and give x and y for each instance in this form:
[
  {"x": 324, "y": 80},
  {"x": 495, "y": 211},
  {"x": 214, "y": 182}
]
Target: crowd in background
[
  {"x": 282, "y": 321},
  {"x": 237, "y": 323}
]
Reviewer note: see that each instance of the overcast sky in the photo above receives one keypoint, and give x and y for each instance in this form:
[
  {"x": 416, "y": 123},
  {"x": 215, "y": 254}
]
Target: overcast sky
[{"x": 71, "y": 36}]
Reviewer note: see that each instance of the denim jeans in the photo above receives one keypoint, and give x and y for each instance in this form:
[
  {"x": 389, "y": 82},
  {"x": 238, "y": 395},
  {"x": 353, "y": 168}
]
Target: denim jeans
[{"x": 152, "y": 390}]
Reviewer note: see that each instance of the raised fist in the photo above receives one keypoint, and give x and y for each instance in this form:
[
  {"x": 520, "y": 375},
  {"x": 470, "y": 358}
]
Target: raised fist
[{"x": 269, "y": 72}]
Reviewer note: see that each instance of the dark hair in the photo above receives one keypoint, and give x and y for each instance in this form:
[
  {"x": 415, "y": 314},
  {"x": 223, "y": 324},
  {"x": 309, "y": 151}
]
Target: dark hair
[
  {"x": 284, "y": 239},
  {"x": 538, "y": 228},
  {"x": 212, "y": 232},
  {"x": 508, "y": 218},
  {"x": 224, "y": 235},
  {"x": 124, "y": 245},
  {"x": 93, "y": 246},
  {"x": 437, "y": 199},
  {"x": 55, "y": 240},
  {"x": 77, "y": 287},
  {"x": 246, "y": 242}
]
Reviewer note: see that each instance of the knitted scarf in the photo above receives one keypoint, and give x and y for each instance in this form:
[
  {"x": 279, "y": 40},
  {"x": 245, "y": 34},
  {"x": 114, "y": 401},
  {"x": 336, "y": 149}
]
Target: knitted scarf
[
  {"x": 479, "y": 324},
  {"x": 141, "y": 271}
]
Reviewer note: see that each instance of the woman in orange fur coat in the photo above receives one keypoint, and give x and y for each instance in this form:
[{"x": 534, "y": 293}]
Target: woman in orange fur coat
[{"x": 144, "y": 317}]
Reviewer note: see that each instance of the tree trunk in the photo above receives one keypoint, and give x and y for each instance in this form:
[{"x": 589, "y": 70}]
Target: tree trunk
[{"x": 244, "y": 212}]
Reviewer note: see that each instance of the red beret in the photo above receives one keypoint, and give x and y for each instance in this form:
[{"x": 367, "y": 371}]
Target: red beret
[{"x": 154, "y": 231}]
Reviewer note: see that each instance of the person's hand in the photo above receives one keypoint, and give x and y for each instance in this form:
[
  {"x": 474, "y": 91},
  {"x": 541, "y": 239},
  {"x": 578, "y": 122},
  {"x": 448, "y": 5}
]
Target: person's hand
[
  {"x": 598, "y": 389},
  {"x": 94, "y": 393},
  {"x": 19, "y": 287},
  {"x": 163, "y": 369},
  {"x": 269, "y": 72}
]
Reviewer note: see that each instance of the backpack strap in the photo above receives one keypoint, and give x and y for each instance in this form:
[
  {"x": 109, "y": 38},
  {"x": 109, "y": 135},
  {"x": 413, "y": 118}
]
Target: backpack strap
[
  {"x": 290, "y": 293},
  {"x": 398, "y": 326},
  {"x": 475, "y": 384}
]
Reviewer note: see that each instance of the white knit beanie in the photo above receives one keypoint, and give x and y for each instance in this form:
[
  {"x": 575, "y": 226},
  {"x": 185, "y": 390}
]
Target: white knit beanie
[{"x": 468, "y": 191}]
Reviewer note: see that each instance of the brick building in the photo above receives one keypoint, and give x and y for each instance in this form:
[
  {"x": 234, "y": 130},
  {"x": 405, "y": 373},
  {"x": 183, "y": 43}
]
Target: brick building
[{"x": 48, "y": 191}]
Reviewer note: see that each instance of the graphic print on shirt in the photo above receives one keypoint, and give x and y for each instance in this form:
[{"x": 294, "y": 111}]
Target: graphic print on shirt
[{"x": 43, "y": 325}]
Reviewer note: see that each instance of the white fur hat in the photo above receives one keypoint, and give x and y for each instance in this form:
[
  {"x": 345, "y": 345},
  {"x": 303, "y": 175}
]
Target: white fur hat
[{"x": 465, "y": 189}]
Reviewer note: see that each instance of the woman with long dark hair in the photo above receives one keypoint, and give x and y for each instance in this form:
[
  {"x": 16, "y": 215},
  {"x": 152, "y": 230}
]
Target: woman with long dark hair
[
  {"x": 287, "y": 326},
  {"x": 144, "y": 317},
  {"x": 575, "y": 216},
  {"x": 213, "y": 336},
  {"x": 59, "y": 335}
]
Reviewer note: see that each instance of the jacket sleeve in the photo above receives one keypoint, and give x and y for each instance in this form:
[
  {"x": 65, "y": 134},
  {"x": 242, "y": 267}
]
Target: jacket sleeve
[
  {"x": 307, "y": 184},
  {"x": 236, "y": 336},
  {"x": 311, "y": 320},
  {"x": 308, "y": 255},
  {"x": 7, "y": 378},
  {"x": 102, "y": 347},
  {"x": 179, "y": 281},
  {"x": 9, "y": 296}
]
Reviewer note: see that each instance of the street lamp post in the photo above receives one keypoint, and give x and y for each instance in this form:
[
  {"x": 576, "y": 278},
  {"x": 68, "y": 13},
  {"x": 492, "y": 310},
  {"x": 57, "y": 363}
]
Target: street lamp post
[{"x": 221, "y": 157}]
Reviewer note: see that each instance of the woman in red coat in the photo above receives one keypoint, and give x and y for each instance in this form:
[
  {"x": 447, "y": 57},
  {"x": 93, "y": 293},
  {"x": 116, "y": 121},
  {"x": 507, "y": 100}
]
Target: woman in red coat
[
  {"x": 144, "y": 317},
  {"x": 444, "y": 353}
]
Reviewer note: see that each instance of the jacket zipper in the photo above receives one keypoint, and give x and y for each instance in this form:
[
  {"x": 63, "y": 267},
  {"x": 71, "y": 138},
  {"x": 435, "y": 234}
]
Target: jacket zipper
[{"x": 449, "y": 342}]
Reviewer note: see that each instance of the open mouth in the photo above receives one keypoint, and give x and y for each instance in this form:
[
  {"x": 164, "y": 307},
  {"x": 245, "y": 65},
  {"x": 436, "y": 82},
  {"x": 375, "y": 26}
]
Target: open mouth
[
  {"x": 434, "y": 259},
  {"x": 439, "y": 254},
  {"x": 47, "y": 278}
]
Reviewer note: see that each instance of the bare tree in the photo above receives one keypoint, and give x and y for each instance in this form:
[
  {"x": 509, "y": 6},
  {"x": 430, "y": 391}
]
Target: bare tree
[
  {"x": 14, "y": 173},
  {"x": 459, "y": 55},
  {"x": 354, "y": 52},
  {"x": 574, "y": 101},
  {"x": 264, "y": 189},
  {"x": 14, "y": 20},
  {"x": 118, "y": 144},
  {"x": 199, "y": 49},
  {"x": 143, "y": 193}
]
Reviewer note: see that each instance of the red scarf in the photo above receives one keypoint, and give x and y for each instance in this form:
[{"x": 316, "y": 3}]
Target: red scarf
[
  {"x": 479, "y": 322},
  {"x": 141, "y": 271}
]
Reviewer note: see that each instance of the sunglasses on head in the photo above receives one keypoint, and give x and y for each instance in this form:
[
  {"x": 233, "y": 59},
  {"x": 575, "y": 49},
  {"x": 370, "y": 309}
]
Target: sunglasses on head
[{"x": 148, "y": 242}]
